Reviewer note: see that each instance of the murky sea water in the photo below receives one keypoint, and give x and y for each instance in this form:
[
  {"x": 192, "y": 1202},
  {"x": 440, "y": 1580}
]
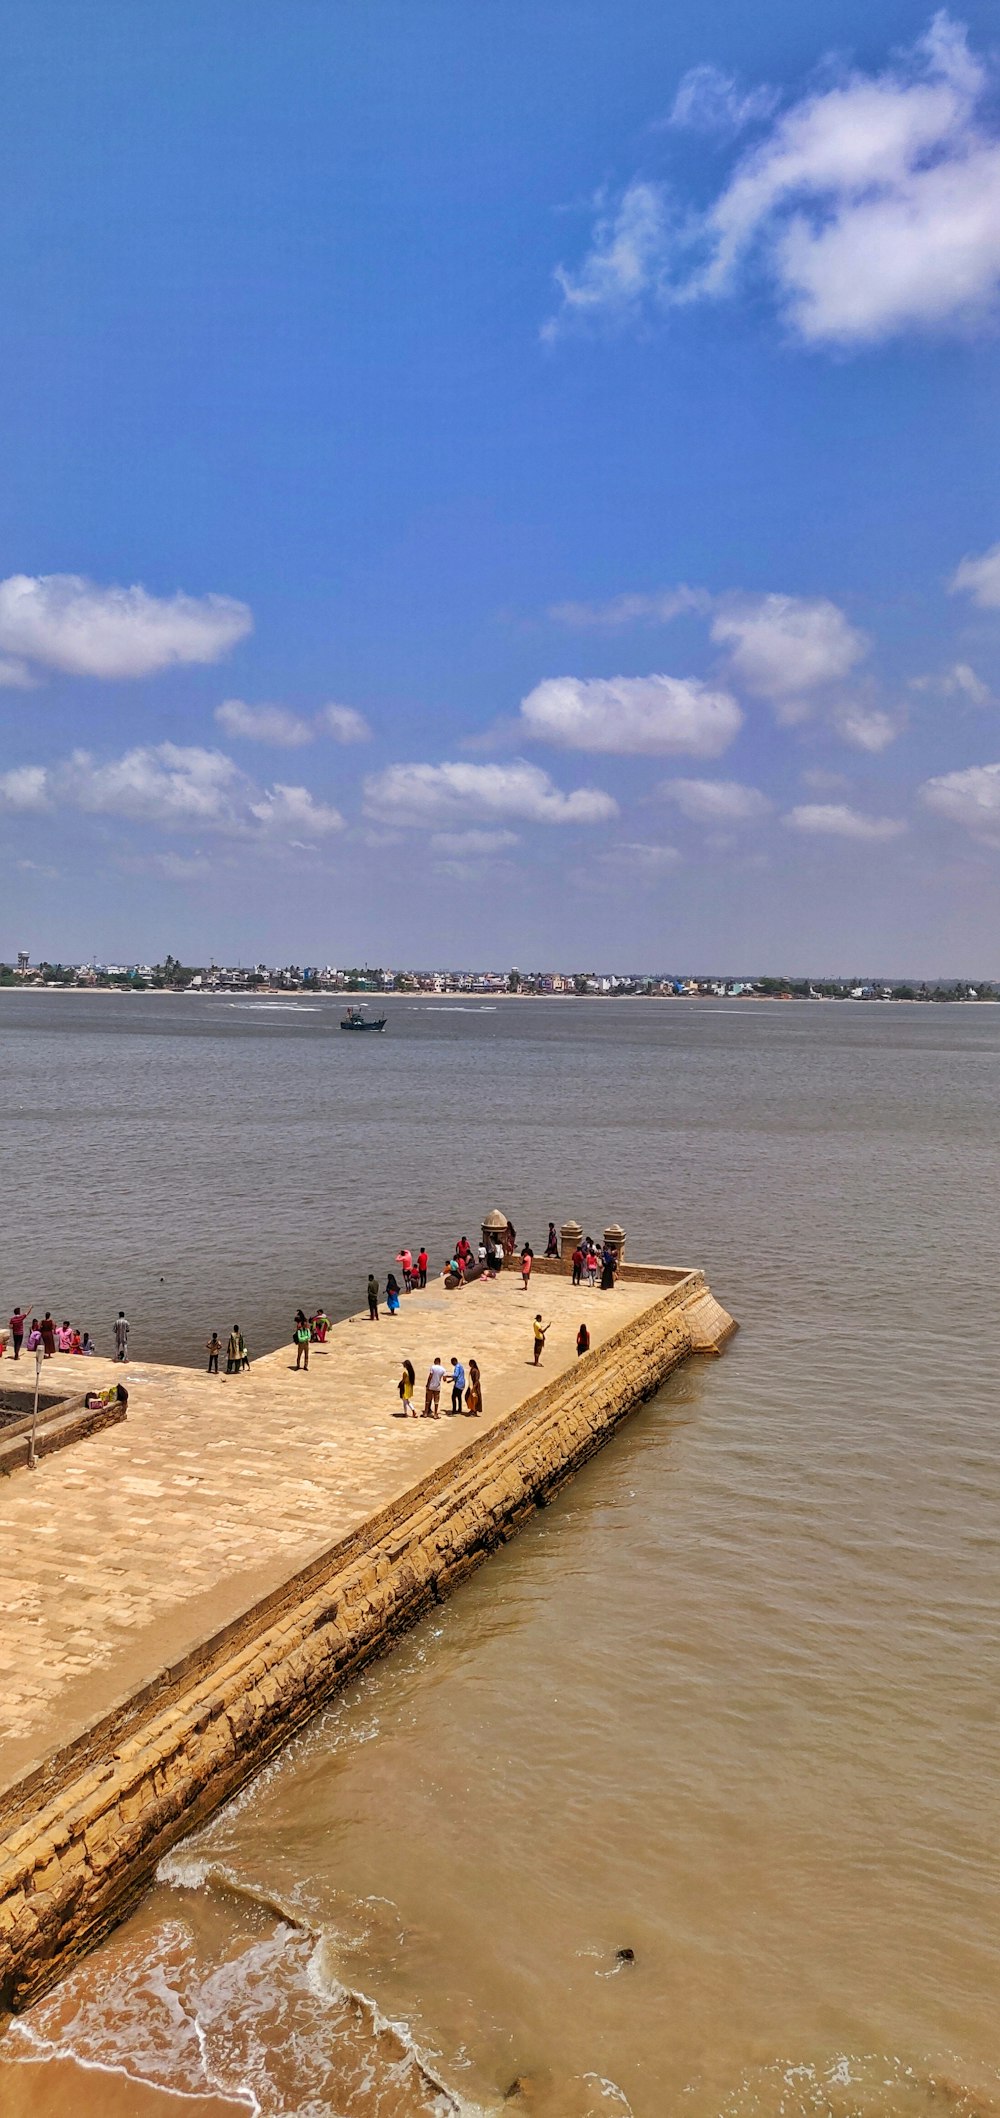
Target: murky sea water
[{"x": 730, "y": 1703}]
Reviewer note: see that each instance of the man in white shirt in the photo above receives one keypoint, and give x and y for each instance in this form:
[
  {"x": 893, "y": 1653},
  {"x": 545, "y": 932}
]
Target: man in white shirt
[
  {"x": 121, "y": 1336},
  {"x": 432, "y": 1397}
]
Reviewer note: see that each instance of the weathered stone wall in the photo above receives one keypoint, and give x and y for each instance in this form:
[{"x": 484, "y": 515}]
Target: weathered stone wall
[{"x": 84, "y": 1838}]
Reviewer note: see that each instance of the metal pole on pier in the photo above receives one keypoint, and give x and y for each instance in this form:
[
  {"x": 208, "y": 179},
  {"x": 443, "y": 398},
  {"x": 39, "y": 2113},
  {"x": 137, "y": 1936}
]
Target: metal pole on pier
[{"x": 39, "y": 1356}]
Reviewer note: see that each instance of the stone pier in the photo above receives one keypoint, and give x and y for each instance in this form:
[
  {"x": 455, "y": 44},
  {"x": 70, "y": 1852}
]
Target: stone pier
[{"x": 182, "y": 1591}]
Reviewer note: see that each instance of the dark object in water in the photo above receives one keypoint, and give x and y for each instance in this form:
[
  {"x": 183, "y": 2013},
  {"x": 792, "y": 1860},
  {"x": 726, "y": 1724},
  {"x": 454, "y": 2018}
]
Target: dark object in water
[{"x": 625, "y": 1956}]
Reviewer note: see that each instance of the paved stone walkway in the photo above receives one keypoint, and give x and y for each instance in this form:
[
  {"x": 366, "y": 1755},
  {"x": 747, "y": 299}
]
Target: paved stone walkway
[{"x": 121, "y": 1553}]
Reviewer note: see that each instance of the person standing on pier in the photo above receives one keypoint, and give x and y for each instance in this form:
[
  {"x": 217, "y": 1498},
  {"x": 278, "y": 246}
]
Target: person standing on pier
[
  {"x": 245, "y": 1350},
  {"x": 233, "y": 1351},
  {"x": 406, "y": 1386},
  {"x": 18, "y": 1326},
  {"x": 302, "y": 1334},
  {"x": 457, "y": 1383},
  {"x": 372, "y": 1299},
  {"x": 120, "y": 1336},
  {"x": 422, "y": 1262},
  {"x": 527, "y": 1261},
  {"x": 609, "y": 1268},
  {"x": 577, "y": 1266},
  {"x": 213, "y": 1348},
  {"x": 405, "y": 1259},
  {"x": 540, "y": 1331},
  {"x": 432, "y": 1392},
  {"x": 552, "y": 1246},
  {"x": 47, "y": 1327},
  {"x": 474, "y": 1393}
]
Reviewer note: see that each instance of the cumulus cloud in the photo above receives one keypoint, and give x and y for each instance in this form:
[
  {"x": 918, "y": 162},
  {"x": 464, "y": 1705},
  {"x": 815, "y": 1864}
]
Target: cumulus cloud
[
  {"x": 658, "y": 608},
  {"x": 182, "y": 787},
  {"x": 979, "y": 578},
  {"x": 716, "y": 801},
  {"x": 63, "y": 622},
  {"x": 288, "y": 731},
  {"x": 294, "y": 809},
  {"x": 837, "y": 820},
  {"x": 263, "y": 724},
  {"x": 865, "y": 727},
  {"x": 872, "y": 206},
  {"x": 167, "y": 782},
  {"x": 785, "y": 648},
  {"x": 709, "y": 100},
  {"x": 344, "y": 723},
  {"x": 654, "y": 716},
  {"x": 443, "y": 794},
  {"x": 970, "y": 798},
  {"x": 24, "y": 787}
]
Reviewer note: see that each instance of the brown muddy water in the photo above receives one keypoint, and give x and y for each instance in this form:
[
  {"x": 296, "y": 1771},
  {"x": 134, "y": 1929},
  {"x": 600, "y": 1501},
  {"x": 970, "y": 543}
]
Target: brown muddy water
[{"x": 729, "y": 1704}]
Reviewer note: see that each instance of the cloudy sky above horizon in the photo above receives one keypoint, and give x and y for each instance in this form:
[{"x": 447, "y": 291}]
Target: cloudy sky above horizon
[{"x": 502, "y": 485}]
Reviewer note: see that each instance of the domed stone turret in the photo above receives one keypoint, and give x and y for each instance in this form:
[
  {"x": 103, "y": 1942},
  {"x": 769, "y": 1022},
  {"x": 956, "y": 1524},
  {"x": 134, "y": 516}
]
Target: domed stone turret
[{"x": 494, "y": 1228}]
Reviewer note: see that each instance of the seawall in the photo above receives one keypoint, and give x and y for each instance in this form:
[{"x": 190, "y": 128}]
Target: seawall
[{"x": 83, "y": 1831}]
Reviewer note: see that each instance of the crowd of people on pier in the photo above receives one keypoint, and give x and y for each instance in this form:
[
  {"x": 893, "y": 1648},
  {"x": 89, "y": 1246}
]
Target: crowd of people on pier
[
  {"x": 497, "y": 1249},
  {"x": 33, "y": 1332},
  {"x": 462, "y": 1265}
]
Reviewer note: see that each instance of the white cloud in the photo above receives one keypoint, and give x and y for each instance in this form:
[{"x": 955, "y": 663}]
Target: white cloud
[
  {"x": 785, "y": 648},
  {"x": 836, "y": 820},
  {"x": 289, "y": 731},
  {"x": 63, "y": 622},
  {"x": 629, "y": 247},
  {"x": 442, "y": 794},
  {"x": 872, "y": 205},
  {"x": 24, "y": 787},
  {"x": 654, "y": 716},
  {"x": 716, "y": 801},
  {"x": 865, "y": 727},
  {"x": 964, "y": 679},
  {"x": 263, "y": 724},
  {"x": 467, "y": 843},
  {"x": 172, "y": 867},
  {"x": 344, "y": 723},
  {"x": 294, "y": 809},
  {"x": 637, "y": 854},
  {"x": 979, "y": 578},
  {"x": 15, "y": 676},
  {"x": 658, "y": 608},
  {"x": 970, "y": 798},
  {"x": 166, "y": 782},
  {"x": 709, "y": 100}
]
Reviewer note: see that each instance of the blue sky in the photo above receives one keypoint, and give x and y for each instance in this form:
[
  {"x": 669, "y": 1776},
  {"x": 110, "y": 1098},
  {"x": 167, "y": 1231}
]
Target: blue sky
[{"x": 501, "y": 484}]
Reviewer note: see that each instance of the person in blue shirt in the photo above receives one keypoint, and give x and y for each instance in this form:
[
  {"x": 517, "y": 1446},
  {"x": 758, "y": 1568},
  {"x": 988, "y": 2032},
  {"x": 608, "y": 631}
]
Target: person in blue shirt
[{"x": 457, "y": 1383}]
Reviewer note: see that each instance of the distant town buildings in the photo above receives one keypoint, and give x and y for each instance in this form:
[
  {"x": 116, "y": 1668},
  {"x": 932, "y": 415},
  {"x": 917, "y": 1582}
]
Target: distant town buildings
[{"x": 173, "y": 976}]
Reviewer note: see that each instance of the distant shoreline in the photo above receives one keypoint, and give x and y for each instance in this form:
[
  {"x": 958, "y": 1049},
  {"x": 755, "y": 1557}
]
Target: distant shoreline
[{"x": 291, "y": 994}]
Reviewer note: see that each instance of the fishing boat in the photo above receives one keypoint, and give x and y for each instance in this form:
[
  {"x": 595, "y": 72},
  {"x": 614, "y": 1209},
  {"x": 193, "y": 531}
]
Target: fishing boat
[{"x": 356, "y": 1019}]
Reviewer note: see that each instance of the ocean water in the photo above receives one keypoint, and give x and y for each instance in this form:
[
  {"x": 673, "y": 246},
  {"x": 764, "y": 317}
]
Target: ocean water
[{"x": 729, "y": 1703}]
